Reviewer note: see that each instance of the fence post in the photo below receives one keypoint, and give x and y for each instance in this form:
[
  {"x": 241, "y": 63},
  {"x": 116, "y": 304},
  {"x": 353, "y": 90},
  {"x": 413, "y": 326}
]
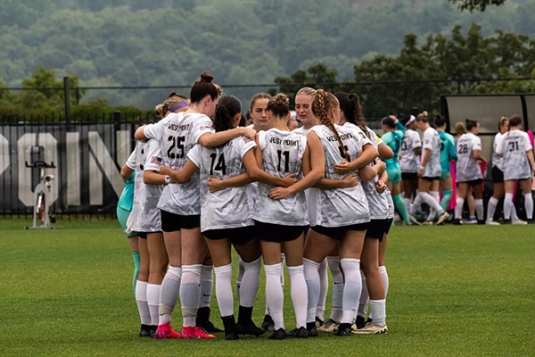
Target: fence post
[
  {"x": 67, "y": 100},
  {"x": 117, "y": 127}
]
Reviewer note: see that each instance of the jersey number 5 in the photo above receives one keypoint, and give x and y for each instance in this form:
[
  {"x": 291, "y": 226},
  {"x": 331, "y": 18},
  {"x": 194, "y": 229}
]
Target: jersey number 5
[
  {"x": 342, "y": 152},
  {"x": 176, "y": 142}
]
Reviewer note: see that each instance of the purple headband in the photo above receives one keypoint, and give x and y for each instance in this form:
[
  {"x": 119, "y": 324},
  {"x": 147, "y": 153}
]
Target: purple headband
[{"x": 178, "y": 106}]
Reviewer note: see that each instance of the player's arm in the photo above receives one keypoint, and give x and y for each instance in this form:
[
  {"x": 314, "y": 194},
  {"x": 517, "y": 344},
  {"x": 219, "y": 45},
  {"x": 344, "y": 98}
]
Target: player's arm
[
  {"x": 126, "y": 172},
  {"x": 212, "y": 140},
  {"x": 350, "y": 180},
  {"x": 250, "y": 161},
  {"x": 369, "y": 172},
  {"x": 215, "y": 184},
  {"x": 367, "y": 155},
  {"x": 385, "y": 152},
  {"x": 476, "y": 152},
  {"x": 451, "y": 150},
  {"x": 179, "y": 176}
]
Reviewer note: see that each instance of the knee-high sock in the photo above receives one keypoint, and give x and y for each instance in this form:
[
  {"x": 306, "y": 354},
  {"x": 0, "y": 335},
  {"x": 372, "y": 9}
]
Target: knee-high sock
[
  {"x": 507, "y": 206},
  {"x": 239, "y": 277},
  {"x": 153, "y": 299},
  {"x": 169, "y": 293},
  {"x": 491, "y": 208},
  {"x": 378, "y": 311},
  {"x": 324, "y": 288},
  {"x": 364, "y": 297},
  {"x": 401, "y": 207},
  {"x": 408, "y": 203},
  {"x": 312, "y": 278},
  {"x": 338, "y": 288},
  {"x": 299, "y": 300},
  {"x": 223, "y": 290},
  {"x": 514, "y": 216},
  {"x": 431, "y": 202},
  {"x": 480, "y": 210},
  {"x": 432, "y": 211},
  {"x": 446, "y": 199},
  {"x": 459, "y": 208},
  {"x": 274, "y": 294},
  {"x": 283, "y": 258},
  {"x": 207, "y": 284},
  {"x": 528, "y": 204},
  {"x": 384, "y": 277},
  {"x": 135, "y": 256},
  {"x": 352, "y": 289},
  {"x": 250, "y": 282},
  {"x": 416, "y": 205},
  {"x": 190, "y": 292},
  {"x": 142, "y": 305}
]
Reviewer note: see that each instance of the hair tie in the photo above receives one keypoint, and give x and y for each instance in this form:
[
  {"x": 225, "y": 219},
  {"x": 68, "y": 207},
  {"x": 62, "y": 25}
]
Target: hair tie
[{"x": 323, "y": 92}]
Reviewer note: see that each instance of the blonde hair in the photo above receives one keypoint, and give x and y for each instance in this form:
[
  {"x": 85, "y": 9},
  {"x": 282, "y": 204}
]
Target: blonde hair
[
  {"x": 306, "y": 90},
  {"x": 460, "y": 128},
  {"x": 423, "y": 117},
  {"x": 322, "y": 103}
]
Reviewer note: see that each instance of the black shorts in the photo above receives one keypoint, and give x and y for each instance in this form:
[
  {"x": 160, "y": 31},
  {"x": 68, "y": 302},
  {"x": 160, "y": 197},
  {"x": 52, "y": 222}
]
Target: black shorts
[
  {"x": 142, "y": 235},
  {"x": 174, "y": 222},
  {"x": 378, "y": 227},
  {"x": 472, "y": 182},
  {"x": 237, "y": 236},
  {"x": 277, "y": 233},
  {"x": 431, "y": 179},
  {"x": 497, "y": 175},
  {"x": 338, "y": 233},
  {"x": 409, "y": 176}
]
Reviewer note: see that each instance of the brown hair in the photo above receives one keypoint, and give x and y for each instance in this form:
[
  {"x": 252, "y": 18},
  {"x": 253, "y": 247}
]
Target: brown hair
[
  {"x": 225, "y": 111},
  {"x": 515, "y": 120},
  {"x": 460, "y": 128},
  {"x": 279, "y": 105},
  {"x": 350, "y": 106},
  {"x": 258, "y": 96},
  {"x": 204, "y": 87},
  {"x": 423, "y": 117},
  {"x": 322, "y": 103},
  {"x": 158, "y": 111}
]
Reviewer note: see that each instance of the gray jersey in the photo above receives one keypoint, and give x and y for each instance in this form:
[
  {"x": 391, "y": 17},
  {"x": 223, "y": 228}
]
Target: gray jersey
[
  {"x": 149, "y": 214},
  {"x": 516, "y": 165},
  {"x": 180, "y": 134},
  {"x": 467, "y": 168},
  {"x": 431, "y": 141},
  {"x": 496, "y": 159},
  {"x": 282, "y": 154},
  {"x": 342, "y": 206},
  {"x": 409, "y": 161},
  {"x": 228, "y": 208}
]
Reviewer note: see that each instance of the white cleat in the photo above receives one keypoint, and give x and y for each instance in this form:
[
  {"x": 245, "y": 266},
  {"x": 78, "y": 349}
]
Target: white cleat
[{"x": 492, "y": 222}]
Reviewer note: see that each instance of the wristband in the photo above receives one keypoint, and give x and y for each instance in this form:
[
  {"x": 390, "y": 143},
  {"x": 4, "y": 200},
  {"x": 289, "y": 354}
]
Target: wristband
[{"x": 167, "y": 179}]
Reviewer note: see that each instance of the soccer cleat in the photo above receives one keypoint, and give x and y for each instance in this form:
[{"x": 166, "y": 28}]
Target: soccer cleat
[
  {"x": 268, "y": 324},
  {"x": 457, "y": 222},
  {"x": 360, "y": 321},
  {"x": 343, "y": 330},
  {"x": 208, "y": 326},
  {"x": 280, "y": 334},
  {"x": 491, "y": 222},
  {"x": 319, "y": 322},
  {"x": 519, "y": 222},
  {"x": 231, "y": 329},
  {"x": 249, "y": 329},
  {"x": 470, "y": 220},
  {"x": 195, "y": 333},
  {"x": 165, "y": 331},
  {"x": 300, "y": 332},
  {"x": 312, "y": 329},
  {"x": 203, "y": 320},
  {"x": 153, "y": 329},
  {"x": 428, "y": 223},
  {"x": 413, "y": 220},
  {"x": 371, "y": 329},
  {"x": 444, "y": 216},
  {"x": 145, "y": 330},
  {"x": 329, "y": 326}
]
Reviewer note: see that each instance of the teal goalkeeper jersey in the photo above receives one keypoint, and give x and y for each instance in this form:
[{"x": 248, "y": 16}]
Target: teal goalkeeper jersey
[
  {"x": 447, "y": 150},
  {"x": 127, "y": 196},
  {"x": 394, "y": 139}
]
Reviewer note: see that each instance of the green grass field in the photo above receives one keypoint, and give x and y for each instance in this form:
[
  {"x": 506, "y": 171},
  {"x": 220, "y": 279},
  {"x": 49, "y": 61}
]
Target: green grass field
[{"x": 454, "y": 291}]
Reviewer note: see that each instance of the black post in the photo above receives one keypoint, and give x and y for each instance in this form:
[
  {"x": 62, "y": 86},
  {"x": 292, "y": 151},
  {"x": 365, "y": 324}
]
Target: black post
[
  {"x": 117, "y": 127},
  {"x": 67, "y": 99}
]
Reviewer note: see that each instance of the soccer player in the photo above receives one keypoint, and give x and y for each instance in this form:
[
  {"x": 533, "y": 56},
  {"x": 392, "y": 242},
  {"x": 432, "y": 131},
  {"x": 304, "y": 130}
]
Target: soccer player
[
  {"x": 447, "y": 153},
  {"x": 409, "y": 161},
  {"x": 468, "y": 170},
  {"x": 518, "y": 166}
]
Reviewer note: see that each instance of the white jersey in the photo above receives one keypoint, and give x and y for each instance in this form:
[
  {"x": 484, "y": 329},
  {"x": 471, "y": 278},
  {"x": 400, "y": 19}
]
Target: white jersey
[
  {"x": 516, "y": 165},
  {"x": 301, "y": 131},
  {"x": 431, "y": 141},
  {"x": 497, "y": 160},
  {"x": 282, "y": 154},
  {"x": 409, "y": 161},
  {"x": 228, "y": 208},
  {"x": 343, "y": 206},
  {"x": 132, "y": 164},
  {"x": 467, "y": 168},
  {"x": 180, "y": 134}
]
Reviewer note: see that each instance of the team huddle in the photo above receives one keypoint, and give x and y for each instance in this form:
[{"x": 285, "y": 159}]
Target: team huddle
[{"x": 319, "y": 197}]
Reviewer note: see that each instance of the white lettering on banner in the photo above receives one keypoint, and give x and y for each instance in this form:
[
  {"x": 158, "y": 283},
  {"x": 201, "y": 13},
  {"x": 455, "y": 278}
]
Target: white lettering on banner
[
  {"x": 74, "y": 184},
  {"x": 123, "y": 146},
  {"x": 95, "y": 183},
  {"x": 106, "y": 163},
  {"x": 4, "y": 154},
  {"x": 49, "y": 143}
]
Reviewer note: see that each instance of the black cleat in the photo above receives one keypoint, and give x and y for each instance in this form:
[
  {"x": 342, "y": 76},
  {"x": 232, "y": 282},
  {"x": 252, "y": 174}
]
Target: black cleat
[
  {"x": 360, "y": 322},
  {"x": 249, "y": 329},
  {"x": 268, "y": 324},
  {"x": 280, "y": 334},
  {"x": 145, "y": 331},
  {"x": 203, "y": 321},
  {"x": 312, "y": 329},
  {"x": 343, "y": 330},
  {"x": 231, "y": 331},
  {"x": 457, "y": 222},
  {"x": 319, "y": 322}
]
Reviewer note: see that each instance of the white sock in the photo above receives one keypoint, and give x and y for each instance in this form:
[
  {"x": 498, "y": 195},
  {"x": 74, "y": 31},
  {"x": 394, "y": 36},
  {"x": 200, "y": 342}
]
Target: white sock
[
  {"x": 169, "y": 293},
  {"x": 431, "y": 202},
  {"x": 407, "y": 203},
  {"x": 352, "y": 289},
  {"x": 364, "y": 297},
  {"x": 298, "y": 286},
  {"x": 528, "y": 203},
  {"x": 274, "y": 294},
  {"x": 223, "y": 290},
  {"x": 324, "y": 288},
  {"x": 480, "y": 210},
  {"x": 141, "y": 301},
  {"x": 338, "y": 288},
  {"x": 491, "y": 208},
  {"x": 239, "y": 277},
  {"x": 207, "y": 284},
  {"x": 378, "y": 310},
  {"x": 190, "y": 292},
  {"x": 459, "y": 208},
  {"x": 432, "y": 211},
  {"x": 312, "y": 277},
  {"x": 250, "y": 282},
  {"x": 507, "y": 206},
  {"x": 416, "y": 204},
  {"x": 384, "y": 277},
  {"x": 153, "y": 299},
  {"x": 514, "y": 216},
  {"x": 283, "y": 258}
]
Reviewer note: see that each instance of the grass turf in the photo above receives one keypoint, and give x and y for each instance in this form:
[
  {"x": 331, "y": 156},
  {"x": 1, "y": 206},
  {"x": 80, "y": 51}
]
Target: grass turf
[{"x": 455, "y": 291}]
